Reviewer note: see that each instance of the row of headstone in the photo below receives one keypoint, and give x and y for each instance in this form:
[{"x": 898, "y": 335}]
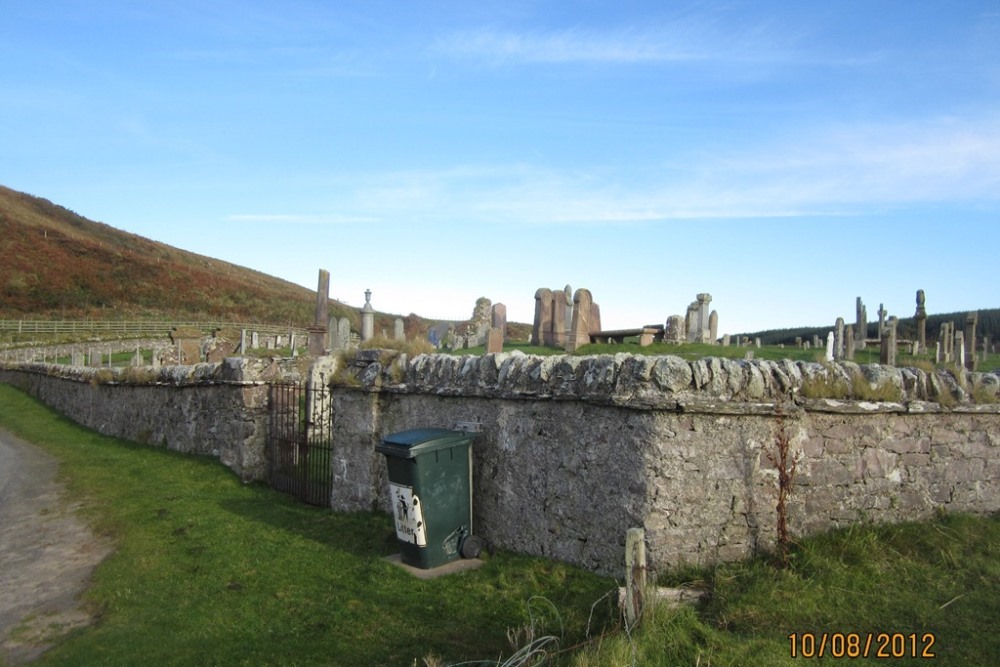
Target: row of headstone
[{"x": 563, "y": 322}]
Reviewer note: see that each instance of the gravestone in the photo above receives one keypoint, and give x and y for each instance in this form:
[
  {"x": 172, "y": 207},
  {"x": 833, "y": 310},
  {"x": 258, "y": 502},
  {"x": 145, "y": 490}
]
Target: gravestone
[
  {"x": 254, "y": 340},
  {"x": 595, "y": 317},
  {"x": 881, "y": 319},
  {"x": 971, "y": 320},
  {"x": 498, "y": 318},
  {"x": 725, "y": 340},
  {"x": 860, "y": 325},
  {"x": 367, "y": 318},
  {"x": 243, "y": 342},
  {"x": 921, "y": 318},
  {"x": 704, "y": 329},
  {"x": 675, "y": 331},
  {"x": 398, "y": 330},
  {"x": 542, "y": 324},
  {"x": 958, "y": 353},
  {"x": 817, "y": 343},
  {"x": 494, "y": 341},
  {"x": 829, "y": 346},
  {"x": 937, "y": 353},
  {"x": 691, "y": 322},
  {"x": 756, "y": 342},
  {"x": 713, "y": 327},
  {"x": 849, "y": 352},
  {"x": 344, "y": 333},
  {"x": 838, "y": 338},
  {"x": 798, "y": 341},
  {"x": 568, "y": 297},
  {"x": 557, "y": 335},
  {"x": 887, "y": 352},
  {"x": 580, "y": 331}
]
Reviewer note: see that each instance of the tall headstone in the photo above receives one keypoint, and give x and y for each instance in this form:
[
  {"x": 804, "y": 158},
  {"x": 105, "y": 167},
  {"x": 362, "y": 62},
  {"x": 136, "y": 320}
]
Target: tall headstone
[
  {"x": 558, "y": 334},
  {"x": 817, "y": 343},
  {"x": 398, "y": 330},
  {"x": 838, "y": 338},
  {"x": 323, "y": 298},
  {"x": 498, "y": 318},
  {"x": 580, "y": 332},
  {"x": 713, "y": 327},
  {"x": 971, "y": 320},
  {"x": 829, "y": 346},
  {"x": 568, "y": 299},
  {"x": 704, "y": 299},
  {"x": 343, "y": 333},
  {"x": 959, "y": 352},
  {"x": 725, "y": 340},
  {"x": 543, "y": 317},
  {"x": 921, "y": 318},
  {"x": 887, "y": 355},
  {"x": 243, "y": 342},
  {"x": 938, "y": 357},
  {"x": 595, "y": 317},
  {"x": 860, "y": 325},
  {"x": 254, "y": 340},
  {"x": 849, "y": 352},
  {"x": 318, "y": 333},
  {"x": 756, "y": 342},
  {"x": 943, "y": 339},
  {"x": 367, "y": 318},
  {"x": 691, "y": 322}
]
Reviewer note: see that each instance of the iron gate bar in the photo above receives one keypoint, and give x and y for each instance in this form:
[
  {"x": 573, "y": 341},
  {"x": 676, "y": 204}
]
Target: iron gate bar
[{"x": 299, "y": 442}]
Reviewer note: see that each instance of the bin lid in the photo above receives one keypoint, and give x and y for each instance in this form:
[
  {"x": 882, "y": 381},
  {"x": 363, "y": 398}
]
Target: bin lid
[{"x": 411, "y": 443}]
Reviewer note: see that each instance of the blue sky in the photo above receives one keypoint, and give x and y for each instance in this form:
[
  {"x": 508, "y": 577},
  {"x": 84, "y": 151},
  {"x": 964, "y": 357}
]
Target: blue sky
[{"x": 784, "y": 156}]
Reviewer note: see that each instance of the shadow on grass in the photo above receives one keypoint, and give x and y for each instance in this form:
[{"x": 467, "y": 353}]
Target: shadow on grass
[{"x": 365, "y": 534}]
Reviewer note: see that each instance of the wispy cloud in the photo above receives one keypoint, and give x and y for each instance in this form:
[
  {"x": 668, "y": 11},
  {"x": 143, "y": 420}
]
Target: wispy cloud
[
  {"x": 296, "y": 219},
  {"x": 846, "y": 171},
  {"x": 678, "y": 41}
]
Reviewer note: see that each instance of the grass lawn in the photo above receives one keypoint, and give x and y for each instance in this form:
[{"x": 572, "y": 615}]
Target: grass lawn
[{"x": 209, "y": 571}]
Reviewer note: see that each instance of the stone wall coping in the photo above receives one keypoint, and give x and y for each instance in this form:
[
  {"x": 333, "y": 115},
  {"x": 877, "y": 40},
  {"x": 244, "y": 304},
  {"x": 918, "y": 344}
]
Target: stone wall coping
[
  {"x": 235, "y": 371},
  {"x": 666, "y": 382}
]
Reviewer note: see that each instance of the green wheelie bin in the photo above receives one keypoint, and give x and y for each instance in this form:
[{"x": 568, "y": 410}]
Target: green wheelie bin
[{"x": 430, "y": 488}]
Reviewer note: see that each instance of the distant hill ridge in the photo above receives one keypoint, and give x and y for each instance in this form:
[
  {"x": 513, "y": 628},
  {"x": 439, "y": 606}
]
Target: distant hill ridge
[{"x": 988, "y": 324}]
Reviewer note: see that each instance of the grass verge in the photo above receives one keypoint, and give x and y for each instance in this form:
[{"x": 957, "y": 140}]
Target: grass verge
[
  {"x": 208, "y": 571},
  {"x": 938, "y": 580}
]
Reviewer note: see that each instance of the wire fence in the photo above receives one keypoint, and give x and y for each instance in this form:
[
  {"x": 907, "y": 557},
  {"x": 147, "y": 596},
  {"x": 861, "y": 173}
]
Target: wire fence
[{"x": 134, "y": 327}]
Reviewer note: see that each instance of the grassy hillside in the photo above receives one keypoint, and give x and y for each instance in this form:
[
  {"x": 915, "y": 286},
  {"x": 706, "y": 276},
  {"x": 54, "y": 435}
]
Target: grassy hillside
[{"x": 60, "y": 265}]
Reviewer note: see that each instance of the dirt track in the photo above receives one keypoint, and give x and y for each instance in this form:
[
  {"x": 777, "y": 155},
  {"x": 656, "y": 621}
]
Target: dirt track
[{"x": 46, "y": 554}]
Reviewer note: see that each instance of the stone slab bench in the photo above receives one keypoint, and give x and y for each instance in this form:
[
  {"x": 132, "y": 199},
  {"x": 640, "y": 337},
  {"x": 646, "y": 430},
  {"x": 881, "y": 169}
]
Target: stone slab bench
[{"x": 646, "y": 335}]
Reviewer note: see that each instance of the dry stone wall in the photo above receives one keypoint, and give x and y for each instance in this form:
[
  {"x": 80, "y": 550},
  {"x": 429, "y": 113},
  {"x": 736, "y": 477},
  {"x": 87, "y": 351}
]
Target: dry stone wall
[
  {"x": 209, "y": 409},
  {"x": 572, "y": 451}
]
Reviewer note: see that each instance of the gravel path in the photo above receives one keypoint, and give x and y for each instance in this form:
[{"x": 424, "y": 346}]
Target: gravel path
[{"x": 46, "y": 554}]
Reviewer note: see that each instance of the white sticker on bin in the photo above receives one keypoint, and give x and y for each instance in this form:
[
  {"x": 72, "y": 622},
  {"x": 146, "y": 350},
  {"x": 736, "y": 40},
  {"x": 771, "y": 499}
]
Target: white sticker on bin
[{"x": 409, "y": 515}]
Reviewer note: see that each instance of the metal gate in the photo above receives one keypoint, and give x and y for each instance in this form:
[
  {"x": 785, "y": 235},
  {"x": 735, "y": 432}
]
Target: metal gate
[{"x": 299, "y": 443}]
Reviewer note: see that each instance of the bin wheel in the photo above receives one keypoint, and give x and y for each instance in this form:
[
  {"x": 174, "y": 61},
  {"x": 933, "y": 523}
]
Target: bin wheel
[{"x": 472, "y": 546}]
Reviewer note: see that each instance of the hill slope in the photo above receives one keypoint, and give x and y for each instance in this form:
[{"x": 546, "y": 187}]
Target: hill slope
[{"x": 59, "y": 264}]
